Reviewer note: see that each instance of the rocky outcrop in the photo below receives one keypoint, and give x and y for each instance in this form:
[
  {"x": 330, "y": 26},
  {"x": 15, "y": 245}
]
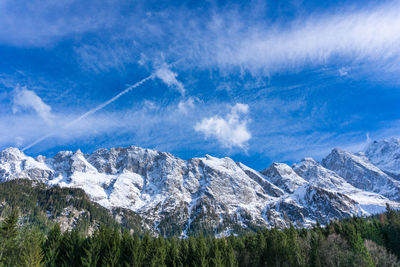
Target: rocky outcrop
[{"x": 217, "y": 194}]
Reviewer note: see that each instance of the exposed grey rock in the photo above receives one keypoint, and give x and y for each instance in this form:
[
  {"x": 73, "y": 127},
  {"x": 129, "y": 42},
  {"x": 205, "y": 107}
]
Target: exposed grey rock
[
  {"x": 284, "y": 177},
  {"x": 171, "y": 194},
  {"x": 385, "y": 154},
  {"x": 362, "y": 174}
]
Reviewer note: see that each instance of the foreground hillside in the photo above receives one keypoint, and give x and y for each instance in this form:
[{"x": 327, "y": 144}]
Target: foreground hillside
[
  {"x": 176, "y": 197},
  {"x": 372, "y": 241},
  {"x": 43, "y": 206}
]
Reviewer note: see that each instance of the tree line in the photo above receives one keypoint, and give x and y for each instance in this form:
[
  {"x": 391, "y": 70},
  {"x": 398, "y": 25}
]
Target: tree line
[{"x": 372, "y": 241}]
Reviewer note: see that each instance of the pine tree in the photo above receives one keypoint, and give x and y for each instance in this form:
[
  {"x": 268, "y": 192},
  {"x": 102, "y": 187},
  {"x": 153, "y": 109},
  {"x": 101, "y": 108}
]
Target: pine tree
[
  {"x": 393, "y": 230},
  {"x": 137, "y": 252},
  {"x": 69, "y": 249},
  {"x": 315, "y": 244},
  {"x": 131, "y": 250},
  {"x": 90, "y": 252},
  {"x": 260, "y": 247},
  {"x": 216, "y": 260},
  {"x": 51, "y": 246},
  {"x": 275, "y": 242},
  {"x": 159, "y": 252},
  {"x": 229, "y": 256},
  {"x": 250, "y": 254},
  {"x": 201, "y": 252},
  {"x": 110, "y": 241},
  {"x": 173, "y": 258},
  {"x": 239, "y": 248},
  {"x": 32, "y": 253},
  {"x": 192, "y": 254},
  {"x": 357, "y": 244},
  {"x": 146, "y": 247},
  {"x": 8, "y": 234},
  {"x": 295, "y": 257}
]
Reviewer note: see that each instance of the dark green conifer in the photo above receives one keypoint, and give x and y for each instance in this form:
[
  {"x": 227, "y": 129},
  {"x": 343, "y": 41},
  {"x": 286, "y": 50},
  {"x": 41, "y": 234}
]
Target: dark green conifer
[
  {"x": 8, "y": 242},
  {"x": 51, "y": 246},
  {"x": 31, "y": 248}
]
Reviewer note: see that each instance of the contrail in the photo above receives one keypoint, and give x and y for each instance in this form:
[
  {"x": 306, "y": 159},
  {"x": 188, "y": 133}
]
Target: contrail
[{"x": 83, "y": 116}]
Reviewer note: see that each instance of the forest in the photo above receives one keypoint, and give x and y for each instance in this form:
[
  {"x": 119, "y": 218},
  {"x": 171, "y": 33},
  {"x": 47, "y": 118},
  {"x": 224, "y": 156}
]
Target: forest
[{"x": 372, "y": 241}]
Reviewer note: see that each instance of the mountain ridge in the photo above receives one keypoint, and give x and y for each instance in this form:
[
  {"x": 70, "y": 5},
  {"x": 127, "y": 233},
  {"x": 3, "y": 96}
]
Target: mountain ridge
[{"x": 217, "y": 195}]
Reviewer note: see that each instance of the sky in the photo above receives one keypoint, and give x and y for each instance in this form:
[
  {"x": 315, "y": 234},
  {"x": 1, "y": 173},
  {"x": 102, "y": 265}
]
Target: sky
[{"x": 257, "y": 81}]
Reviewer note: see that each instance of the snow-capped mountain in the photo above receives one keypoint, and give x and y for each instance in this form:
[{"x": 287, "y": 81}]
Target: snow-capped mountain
[
  {"x": 284, "y": 177},
  {"x": 172, "y": 195},
  {"x": 358, "y": 171},
  {"x": 385, "y": 154}
]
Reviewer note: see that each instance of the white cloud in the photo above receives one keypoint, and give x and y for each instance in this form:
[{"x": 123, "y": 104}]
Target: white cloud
[
  {"x": 149, "y": 105},
  {"x": 185, "y": 105},
  {"x": 223, "y": 40},
  {"x": 355, "y": 36},
  {"x": 230, "y": 131},
  {"x": 32, "y": 23},
  {"x": 169, "y": 78},
  {"x": 344, "y": 71},
  {"x": 25, "y": 99},
  {"x": 100, "y": 58},
  {"x": 101, "y": 129}
]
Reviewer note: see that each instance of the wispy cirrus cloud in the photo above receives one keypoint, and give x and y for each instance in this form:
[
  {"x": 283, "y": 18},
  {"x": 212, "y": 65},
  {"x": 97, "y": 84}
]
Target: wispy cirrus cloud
[
  {"x": 226, "y": 56},
  {"x": 104, "y": 57},
  {"x": 365, "y": 37},
  {"x": 213, "y": 40},
  {"x": 25, "y": 99},
  {"x": 369, "y": 34},
  {"x": 169, "y": 77},
  {"x": 147, "y": 125},
  {"x": 284, "y": 136},
  {"x": 40, "y": 23},
  {"x": 184, "y": 106}
]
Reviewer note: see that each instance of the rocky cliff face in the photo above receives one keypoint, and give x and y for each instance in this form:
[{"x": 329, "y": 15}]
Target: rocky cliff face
[
  {"x": 359, "y": 172},
  {"x": 173, "y": 196},
  {"x": 385, "y": 154}
]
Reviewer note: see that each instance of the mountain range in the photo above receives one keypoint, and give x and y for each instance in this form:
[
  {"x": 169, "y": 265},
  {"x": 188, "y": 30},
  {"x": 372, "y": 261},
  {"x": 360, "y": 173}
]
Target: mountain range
[{"x": 180, "y": 197}]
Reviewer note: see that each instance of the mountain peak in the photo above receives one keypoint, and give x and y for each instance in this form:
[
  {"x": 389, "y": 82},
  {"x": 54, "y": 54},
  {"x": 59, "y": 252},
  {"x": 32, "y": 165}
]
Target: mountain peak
[
  {"x": 11, "y": 153},
  {"x": 214, "y": 192},
  {"x": 283, "y": 176},
  {"x": 385, "y": 154},
  {"x": 359, "y": 172},
  {"x": 308, "y": 160}
]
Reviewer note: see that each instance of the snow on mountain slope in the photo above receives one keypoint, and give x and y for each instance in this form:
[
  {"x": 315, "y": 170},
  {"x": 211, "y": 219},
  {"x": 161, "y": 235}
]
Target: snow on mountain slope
[
  {"x": 385, "y": 154},
  {"x": 321, "y": 177},
  {"x": 216, "y": 194},
  {"x": 145, "y": 180},
  {"x": 15, "y": 164},
  {"x": 269, "y": 187},
  {"x": 316, "y": 174},
  {"x": 284, "y": 177},
  {"x": 359, "y": 172},
  {"x": 319, "y": 195},
  {"x": 310, "y": 204},
  {"x": 154, "y": 184}
]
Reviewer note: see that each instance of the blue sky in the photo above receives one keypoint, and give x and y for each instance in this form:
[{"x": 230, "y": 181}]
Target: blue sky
[{"x": 258, "y": 81}]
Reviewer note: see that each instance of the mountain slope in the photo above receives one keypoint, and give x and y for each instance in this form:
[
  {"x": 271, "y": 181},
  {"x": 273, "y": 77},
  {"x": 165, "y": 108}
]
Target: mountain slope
[
  {"x": 212, "y": 195},
  {"x": 385, "y": 154},
  {"x": 42, "y": 206},
  {"x": 284, "y": 177},
  {"x": 321, "y": 177},
  {"x": 359, "y": 172}
]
